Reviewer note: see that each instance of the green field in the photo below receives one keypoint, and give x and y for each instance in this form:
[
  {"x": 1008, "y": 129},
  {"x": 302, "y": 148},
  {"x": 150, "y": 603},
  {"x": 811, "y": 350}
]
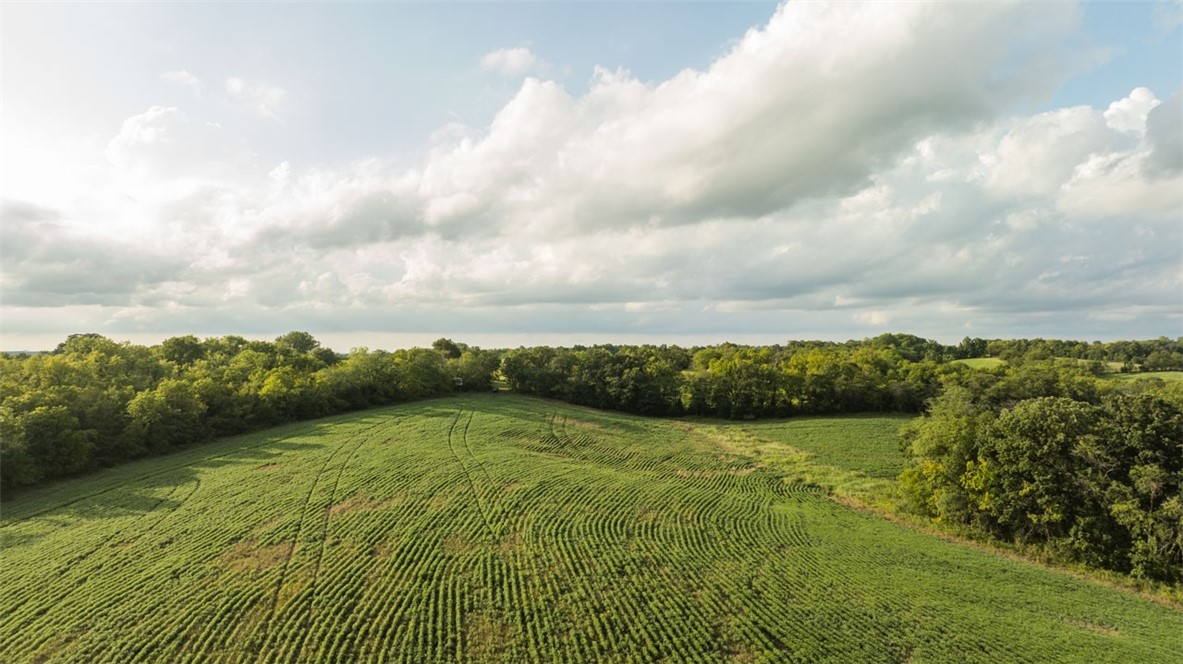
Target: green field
[
  {"x": 864, "y": 444},
  {"x": 981, "y": 362},
  {"x": 501, "y": 528},
  {"x": 1161, "y": 375}
]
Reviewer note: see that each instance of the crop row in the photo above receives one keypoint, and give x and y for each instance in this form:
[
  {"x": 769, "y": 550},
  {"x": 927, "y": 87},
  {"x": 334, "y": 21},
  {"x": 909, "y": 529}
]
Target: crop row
[{"x": 457, "y": 531}]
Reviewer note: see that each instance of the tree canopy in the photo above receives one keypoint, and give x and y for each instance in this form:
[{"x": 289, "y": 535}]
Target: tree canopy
[{"x": 93, "y": 402}]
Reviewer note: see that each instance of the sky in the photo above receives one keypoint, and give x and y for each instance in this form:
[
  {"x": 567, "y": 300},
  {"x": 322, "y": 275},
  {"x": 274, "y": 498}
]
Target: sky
[{"x": 516, "y": 173}]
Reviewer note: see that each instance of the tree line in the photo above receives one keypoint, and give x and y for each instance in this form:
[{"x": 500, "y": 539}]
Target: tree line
[
  {"x": 738, "y": 382},
  {"x": 92, "y": 402},
  {"x": 887, "y": 373},
  {"x": 1162, "y": 354}
]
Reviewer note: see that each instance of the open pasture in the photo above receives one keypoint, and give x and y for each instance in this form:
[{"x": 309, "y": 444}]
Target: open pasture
[
  {"x": 501, "y": 528},
  {"x": 981, "y": 362},
  {"x": 1168, "y": 376},
  {"x": 864, "y": 444}
]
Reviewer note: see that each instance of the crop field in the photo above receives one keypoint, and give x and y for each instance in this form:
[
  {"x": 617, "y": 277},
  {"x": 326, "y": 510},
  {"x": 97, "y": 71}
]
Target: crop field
[{"x": 501, "y": 528}]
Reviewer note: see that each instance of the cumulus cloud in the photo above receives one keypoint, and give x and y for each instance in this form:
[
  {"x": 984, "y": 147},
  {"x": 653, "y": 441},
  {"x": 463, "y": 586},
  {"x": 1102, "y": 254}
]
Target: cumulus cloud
[
  {"x": 1129, "y": 114},
  {"x": 263, "y": 99},
  {"x": 1164, "y": 134},
  {"x": 145, "y": 140},
  {"x": 1142, "y": 178},
  {"x": 166, "y": 144},
  {"x": 810, "y": 105},
  {"x": 842, "y": 164},
  {"x": 184, "y": 78},
  {"x": 873, "y": 318},
  {"x": 509, "y": 61},
  {"x": 1037, "y": 155},
  {"x": 15, "y": 211},
  {"x": 46, "y": 264}
]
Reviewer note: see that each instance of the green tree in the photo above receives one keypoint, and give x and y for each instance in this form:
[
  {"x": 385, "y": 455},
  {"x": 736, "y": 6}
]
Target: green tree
[
  {"x": 447, "y": 347},
  {"x": 166, "y": 416},
  {"x": 474, "y": 367},
  {"x": 941, "y": 446},
  {"x": 17, "y": 465},
  {"x": 51, "y": 437},
  {"x": 1028, "y": 487},
  {"x": 182, "y": 351}
]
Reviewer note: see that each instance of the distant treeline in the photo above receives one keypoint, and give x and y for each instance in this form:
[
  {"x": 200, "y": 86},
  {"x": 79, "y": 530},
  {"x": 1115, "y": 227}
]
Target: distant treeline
[
  {"x": 1160, "y": 354},
  {"x": 728, "y": 380},
  {"x": 93, "y": 402},
  {"x": 890, "y": 372}
]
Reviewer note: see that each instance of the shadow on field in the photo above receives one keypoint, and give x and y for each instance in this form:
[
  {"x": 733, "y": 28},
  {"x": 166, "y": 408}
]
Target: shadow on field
[
  {"x": 9, "y": 540},
  {"x": 153, "y": 485},
  {"x": 439, "y": 412}
]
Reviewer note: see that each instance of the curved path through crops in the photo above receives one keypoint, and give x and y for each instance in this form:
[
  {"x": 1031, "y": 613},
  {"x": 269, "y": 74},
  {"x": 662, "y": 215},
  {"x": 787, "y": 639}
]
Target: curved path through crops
[{"x": 498, "y": 528}]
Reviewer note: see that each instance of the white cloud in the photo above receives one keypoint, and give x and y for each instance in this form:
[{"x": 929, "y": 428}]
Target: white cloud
[
  {"x": 1115, "y": 185},
  {"x": 154, "y": 140},
  {"x": 808, "y": 106},
  {"x": 1039, "y": 154},
  {"x": 1139, "y": 179},
  {"x": 264, "y": 99},
  {"x": 1129, "y": 114},
  {"x": 1164, "y": 138},
  {"x": 164, "y": 144},
  {"x": 183, "y": 77},
  {"x": 1168, "y": 15},
  {"x": 873, "y": 318},
  {"x": 509, "y": 61},
  {"x": 843, "y": 163},
  {"x": 281, "y": 172}
]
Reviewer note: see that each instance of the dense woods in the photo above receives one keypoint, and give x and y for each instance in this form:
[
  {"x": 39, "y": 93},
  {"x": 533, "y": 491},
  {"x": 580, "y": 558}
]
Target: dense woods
[
  {"x": 888, "y": 373},
  {"x": 808, "y": 378},
  {"x": 93, "y": 402},
  {"x": 1089, "y": 477},
  {"x": 1039, "y": 450}
]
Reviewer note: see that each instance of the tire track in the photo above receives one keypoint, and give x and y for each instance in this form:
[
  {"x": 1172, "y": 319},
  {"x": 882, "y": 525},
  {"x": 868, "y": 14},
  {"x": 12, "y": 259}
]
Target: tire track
[
  {"x": 471, "y": 484},
  {"x": 468, "y": 448},
  {"x": 264, "y": 634},
  {"x": 324, "y": 533}
]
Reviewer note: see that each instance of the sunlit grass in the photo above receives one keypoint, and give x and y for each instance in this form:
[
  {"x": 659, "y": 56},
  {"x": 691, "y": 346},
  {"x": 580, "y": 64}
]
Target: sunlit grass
[
  {"x": 981, "y": 362},
  {"x": 1146, "y": 375}
]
